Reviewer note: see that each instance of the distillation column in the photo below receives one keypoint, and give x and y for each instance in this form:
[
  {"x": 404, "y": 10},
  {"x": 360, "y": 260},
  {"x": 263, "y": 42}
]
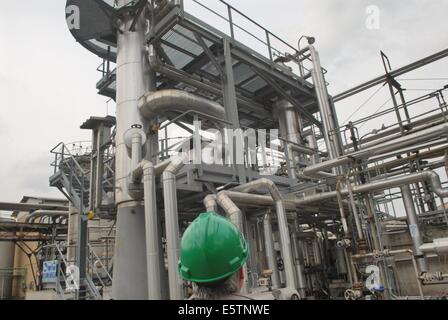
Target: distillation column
[{"x": 133, "y": 81}]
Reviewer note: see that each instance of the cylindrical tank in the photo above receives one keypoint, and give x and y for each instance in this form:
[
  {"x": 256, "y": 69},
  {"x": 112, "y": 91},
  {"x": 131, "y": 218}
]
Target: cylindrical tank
[{"x": 6, "y": 264}]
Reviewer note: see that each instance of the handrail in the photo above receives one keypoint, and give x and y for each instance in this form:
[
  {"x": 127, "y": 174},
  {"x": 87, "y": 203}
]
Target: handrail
[
  {"x": 64, "y": 148},
  {"x": 101, "y": 263},
  {"x": 257, "y": 24},
  {"x": 268, "y": 34}
]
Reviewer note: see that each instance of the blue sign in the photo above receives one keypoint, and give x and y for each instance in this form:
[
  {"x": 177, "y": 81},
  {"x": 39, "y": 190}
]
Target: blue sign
[{"x": 49, "y": 272}]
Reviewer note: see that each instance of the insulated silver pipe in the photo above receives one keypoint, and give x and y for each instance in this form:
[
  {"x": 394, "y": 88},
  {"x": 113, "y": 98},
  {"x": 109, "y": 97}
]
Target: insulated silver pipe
[
  {"x": 236, "y": 216},
  {"x": 429, "y": 176},
  {"x": 300, "y": 269},
  {"x": 231, "y": 209},
  {"x": 210, "y": 203},
  {"x": 290, "y": 130},
  {"x": 312, "y": 143},
  {"x": 341, "y": 210},
  {"x": 389, "y": 146},
  {"x": 45, "y": 213},
  {"x": 154, "y": 251},
  {"x": 170, "y": 100},
  {"x": 355, "y": 211},
  {"x": 281, "y": 220},
  {"x": 136, "y": 150},
  {"x": 134, "y": 78},
  {"x": 172, "y": 224},
  {"x": 270, "y": 252},
  {"x": 414, "y": 228},
  {"x": 329, "y": 128}
]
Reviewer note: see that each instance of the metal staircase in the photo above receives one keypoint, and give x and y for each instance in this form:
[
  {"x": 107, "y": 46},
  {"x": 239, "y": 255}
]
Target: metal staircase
[
  {"x": 71, "y": 177},
  {"x": 96, "y": 281}
]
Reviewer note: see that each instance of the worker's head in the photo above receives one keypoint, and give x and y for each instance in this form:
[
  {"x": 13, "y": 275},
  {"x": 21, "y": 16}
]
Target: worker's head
[{"x": 212, "y": 253}]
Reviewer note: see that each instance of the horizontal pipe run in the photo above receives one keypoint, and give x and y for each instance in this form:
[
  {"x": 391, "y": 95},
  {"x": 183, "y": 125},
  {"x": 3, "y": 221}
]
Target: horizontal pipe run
[
  {"x": 389, "y": 146},
  {"x": 259, "y": 184},
  {"x": 8, "y": 206},
  {"x": 45, "y": 213},
  {"x": 291, "y": 204}
]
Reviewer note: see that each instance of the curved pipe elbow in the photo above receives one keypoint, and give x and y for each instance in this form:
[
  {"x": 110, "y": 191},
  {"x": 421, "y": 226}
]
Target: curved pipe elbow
[
  {"x": 45, "y": 213},
  {"x": 177, "y": 163},
  {"x": 436, "y": 184},
  {"x": 172, "y": 100},
  {"x": 227, "y": 204},
  {"x": 210, "y": 203},
  {"x": 142, "y": 168},
  {"x": 262, "y": 183}
]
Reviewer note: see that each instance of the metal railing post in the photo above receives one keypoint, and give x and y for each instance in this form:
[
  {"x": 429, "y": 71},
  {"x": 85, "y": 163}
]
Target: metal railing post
[{"x": 232, "y": 31}]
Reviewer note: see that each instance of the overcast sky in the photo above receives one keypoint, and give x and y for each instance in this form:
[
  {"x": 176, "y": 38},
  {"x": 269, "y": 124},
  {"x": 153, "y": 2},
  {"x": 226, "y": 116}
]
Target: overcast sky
[{"x": 47, "y": 80}]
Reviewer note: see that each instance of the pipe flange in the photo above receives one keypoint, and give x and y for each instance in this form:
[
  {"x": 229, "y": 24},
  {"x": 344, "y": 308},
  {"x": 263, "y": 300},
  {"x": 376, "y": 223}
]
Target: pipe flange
[{"x": 135, "y": 129}]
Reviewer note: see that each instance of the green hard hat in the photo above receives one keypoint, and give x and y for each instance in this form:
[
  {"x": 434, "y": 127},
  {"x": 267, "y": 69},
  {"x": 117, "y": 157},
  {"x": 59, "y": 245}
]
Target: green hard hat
[{"x": 212, "y": 249}]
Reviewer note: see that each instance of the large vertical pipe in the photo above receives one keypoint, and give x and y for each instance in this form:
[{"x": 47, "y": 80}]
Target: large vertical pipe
[
  {"x": 414, "y": 228},
  {"x": 300, "y": 269},
  {"x": 281, "y": 220},
  {"x": 235, "y": 215},
  {"x": 133, "y": 81},
  {"x": 210, "y": 203},
  {"x": 136, "y": 150},
  {"x": 355, "y": 211},
  {"x": 325, "y": 109},
  {"x": 285, "y": 243},
  {"x": 172, "y": 225},
  {"x": 154, "y": 253},
  {"x": 270, "y": 252},
  {"x": 312, "y": 143},
  {"x": 341, "y": 210}
]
